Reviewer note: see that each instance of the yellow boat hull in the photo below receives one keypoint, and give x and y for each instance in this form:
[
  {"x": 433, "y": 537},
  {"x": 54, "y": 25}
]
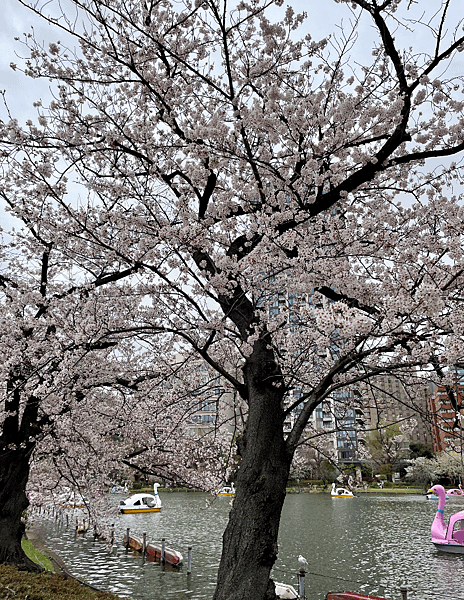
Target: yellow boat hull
[{"x": 139, "y": 510}]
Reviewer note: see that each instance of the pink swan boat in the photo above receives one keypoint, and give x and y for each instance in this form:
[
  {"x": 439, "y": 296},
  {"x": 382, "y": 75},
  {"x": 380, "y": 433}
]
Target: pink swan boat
[
  {"x": 448, "y": 538},
  {"x": 455, "y": 491}
]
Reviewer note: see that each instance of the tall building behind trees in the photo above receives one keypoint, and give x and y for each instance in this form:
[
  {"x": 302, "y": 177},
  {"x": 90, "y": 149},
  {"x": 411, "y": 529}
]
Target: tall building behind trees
[{"x": 445, "y": 406}]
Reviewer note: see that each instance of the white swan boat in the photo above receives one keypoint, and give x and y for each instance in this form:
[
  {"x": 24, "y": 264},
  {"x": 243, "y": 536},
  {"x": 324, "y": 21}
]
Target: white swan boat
[
  {"x": 227, "y": 491},
  {"x": 340, "y": 492},
  {"x": 285, "y": 592},
  {"x": 141, "y": 503}
]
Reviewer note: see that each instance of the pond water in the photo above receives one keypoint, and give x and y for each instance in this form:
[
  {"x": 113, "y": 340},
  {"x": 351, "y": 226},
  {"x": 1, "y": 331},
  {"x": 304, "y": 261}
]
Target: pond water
[{"x": 371, "y": 544}]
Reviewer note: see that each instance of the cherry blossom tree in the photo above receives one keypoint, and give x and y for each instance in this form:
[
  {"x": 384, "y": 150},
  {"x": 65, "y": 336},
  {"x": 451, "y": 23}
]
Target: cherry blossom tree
[
  {"x": 423, "y": 470},
  {"x": 444, "y": 464},
  {"x": 282, "y": 203},
  {"x": 386, "y": 443},
  {"x": 45, "y": 351},
  {"x": 73, "y": 409}
]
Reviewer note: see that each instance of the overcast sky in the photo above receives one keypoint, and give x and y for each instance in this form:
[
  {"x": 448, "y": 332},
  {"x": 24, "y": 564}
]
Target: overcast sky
[
  {"x": 17, "y": 20},
  {"x": 323, "y": 15}
]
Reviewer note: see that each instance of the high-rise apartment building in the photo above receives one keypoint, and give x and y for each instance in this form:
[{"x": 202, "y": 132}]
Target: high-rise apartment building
[{"x": 447, "y": 422}]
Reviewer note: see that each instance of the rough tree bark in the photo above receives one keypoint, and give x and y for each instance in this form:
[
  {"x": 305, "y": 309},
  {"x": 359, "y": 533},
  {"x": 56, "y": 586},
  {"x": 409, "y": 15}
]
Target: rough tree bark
[
  {"x": 250, "y": 539},
  {"x": 14, "y": 473},
  {"x": 17, "y": 443}
]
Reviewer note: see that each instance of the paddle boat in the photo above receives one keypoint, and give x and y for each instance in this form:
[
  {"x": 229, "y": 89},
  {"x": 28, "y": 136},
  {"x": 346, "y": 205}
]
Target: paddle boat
[
  {"x": 447, "y": 538},
  {"x": 340, "y": 492},
  {"x": 141, "y": 503},
  {"x": 118, "y": 489},
  {"x": 351, "y": 596},
  {"x": 431, "y": 496},
  {"x": 173, "y": 557},
  {"x": 154, "y": 550},
  {"x": 455, "y": 491},
  {"x": 70, "y": 499},
  {"x": 285, "y": 592},
  {"x": 82, "y": 527},
  {"x": 227, "y": 491}
]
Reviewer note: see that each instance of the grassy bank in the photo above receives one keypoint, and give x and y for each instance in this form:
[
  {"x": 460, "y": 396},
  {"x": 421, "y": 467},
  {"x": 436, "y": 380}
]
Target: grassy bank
[
  {"x": 392, "y": 490},
  {"x": 20, "y": 585},
  {"x": 36, "y": 556}
]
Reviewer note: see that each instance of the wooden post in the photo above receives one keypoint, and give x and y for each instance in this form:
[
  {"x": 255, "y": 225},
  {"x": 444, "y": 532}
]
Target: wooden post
[
  {"x": 127, "y": 538},
  {"x": 404, "y": 591},
  {"x": 95, "y": 534},
  {"x": 189, "y": 560},
  {"x": 112, "y": 534},
  {"x": 302, "y": 584},
  {"x": 67, "y": 520},
  {"x": 163, "y": 546},
  {"x": 144, "y": 543}
]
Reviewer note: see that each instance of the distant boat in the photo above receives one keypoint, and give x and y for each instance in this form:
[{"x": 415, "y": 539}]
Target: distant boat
[
  {"x": 431, "y": 496},
  {"x": 82, "y": 527},
  {"x": 227, "y": 491},
  {"x": 455, "y": 491},
  {"x": 70, "y": 500},
  {"x": 340, "y": 492}
]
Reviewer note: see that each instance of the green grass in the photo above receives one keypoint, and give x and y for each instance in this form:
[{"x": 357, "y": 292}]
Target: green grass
[
  {"x": 21, "y": 585},
  {"x": 36, "y": 556}
]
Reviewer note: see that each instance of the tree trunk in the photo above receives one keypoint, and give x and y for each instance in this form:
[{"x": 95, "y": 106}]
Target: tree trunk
[
  {"x": 14, "y": 473},
  {"x": 250, "y": 539}
]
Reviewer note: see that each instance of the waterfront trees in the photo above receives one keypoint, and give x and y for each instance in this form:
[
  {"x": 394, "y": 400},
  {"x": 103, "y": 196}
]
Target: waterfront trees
[
  {"x": 79, "y": 402},
  {"x": 45, "y": 348},
  {"x": 275, "y": 198},
  {"x": 56, "y": 362},
  {"x": 388, "y": 444}
]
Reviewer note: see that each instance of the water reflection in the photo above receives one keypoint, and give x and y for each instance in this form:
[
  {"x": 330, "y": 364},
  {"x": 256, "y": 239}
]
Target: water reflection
[{"x": 370, "y": 544}]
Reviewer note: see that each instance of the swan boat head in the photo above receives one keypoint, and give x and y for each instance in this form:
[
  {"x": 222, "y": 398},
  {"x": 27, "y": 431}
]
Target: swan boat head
[
  {"x": 447, "y": 537},
  {"x": 438, "y": 529}
]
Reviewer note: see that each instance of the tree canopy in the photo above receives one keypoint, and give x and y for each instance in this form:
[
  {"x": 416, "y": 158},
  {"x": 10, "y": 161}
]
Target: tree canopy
[{"x": 211, "y": 181}]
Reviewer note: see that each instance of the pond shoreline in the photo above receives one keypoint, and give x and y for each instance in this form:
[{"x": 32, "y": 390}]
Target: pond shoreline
[{"x": 303, "y": 489}]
